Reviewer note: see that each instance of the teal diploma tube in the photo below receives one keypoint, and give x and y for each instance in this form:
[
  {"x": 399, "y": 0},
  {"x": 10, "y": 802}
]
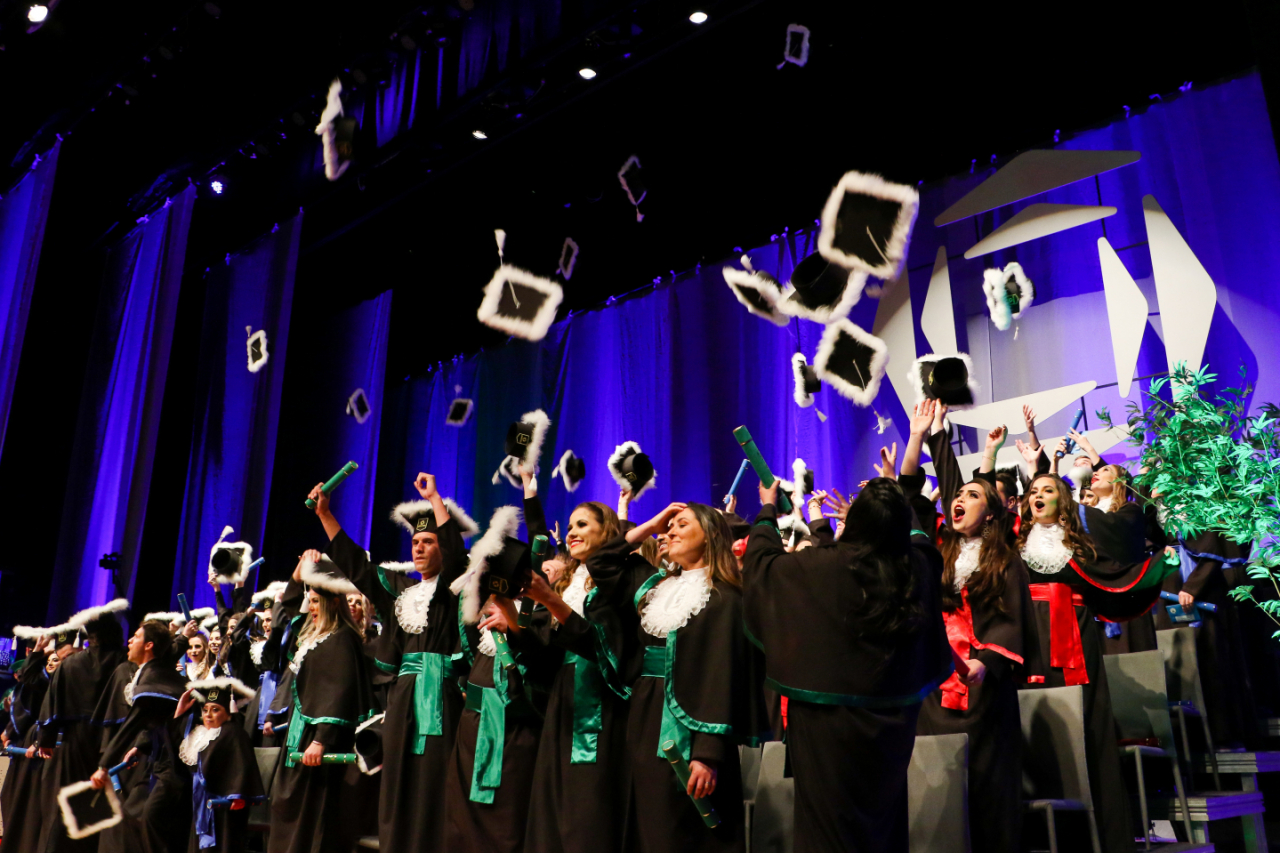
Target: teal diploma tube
[
  {"x": 752, "y": 452},
  {"x": 678, "y": 764},
  {"x": 329, "y": 757},
  {"x": 334, "y": 481}
]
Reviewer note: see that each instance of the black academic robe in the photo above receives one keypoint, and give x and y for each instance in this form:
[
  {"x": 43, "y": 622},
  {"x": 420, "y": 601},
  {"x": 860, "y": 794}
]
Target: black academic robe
[
  {"x": 286, "y": 624},
  {"x": 20, "y": 803},
  {"x": 111, "y": 713},
  {"x": 847, "y": 696},
  {"x": 74, "y": 691},
  {"x": 411, "y": 802},
  {"x": 228, "y": 769},
  {"x": 332, "y": 696},
  {"x": 712, "y": 691}
]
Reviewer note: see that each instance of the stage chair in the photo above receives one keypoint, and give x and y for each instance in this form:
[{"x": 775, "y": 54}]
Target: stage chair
[
  {"x": 773, "y": 812},
  {"x": 937, "y": 794},
  {"x": 749, "y": 758},
  {"x": 1055, "y": 773},
  {"x": 260, "y": 813},
  {"x": 1140, "y": 703},
  {"x": 1186, "y": 695}
]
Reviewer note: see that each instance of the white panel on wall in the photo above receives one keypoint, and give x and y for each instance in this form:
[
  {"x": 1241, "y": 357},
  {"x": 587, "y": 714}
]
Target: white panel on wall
[
  {"x": 937, "y": 319},
  {"x": 1126, "y": 314},
  {"x": 1184, "y": 289},
  {"x": 894, "y": 326},
  {"x": 1008, "y": 412},
  {"x": 1035, "y": 221}
]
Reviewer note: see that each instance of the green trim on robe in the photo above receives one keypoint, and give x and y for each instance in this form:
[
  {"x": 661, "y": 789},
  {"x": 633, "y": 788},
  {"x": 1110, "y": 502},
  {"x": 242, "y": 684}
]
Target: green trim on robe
[{"x": 851, "y": 701}]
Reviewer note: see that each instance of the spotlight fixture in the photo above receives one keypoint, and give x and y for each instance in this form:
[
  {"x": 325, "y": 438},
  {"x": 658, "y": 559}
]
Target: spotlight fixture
[
  {"x": 479, "y": 134},
  {"x": 587, "y": 73},
  {"x": 37, "y": 13},
  {"x": 698, "y": 17},
  {"x": 217, "y": 187}
]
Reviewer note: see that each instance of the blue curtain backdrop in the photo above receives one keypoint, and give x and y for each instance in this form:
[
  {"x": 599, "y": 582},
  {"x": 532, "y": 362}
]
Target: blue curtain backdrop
[
  {"x": 124, "y": 386},
  {"x": 23, "y": 213},
  {"x": 233, "y": 443}
]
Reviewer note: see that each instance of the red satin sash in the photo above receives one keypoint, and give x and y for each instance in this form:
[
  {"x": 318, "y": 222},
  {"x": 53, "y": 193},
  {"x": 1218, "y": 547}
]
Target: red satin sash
[
  {"x": 1065, "y": 648},
  {"x": 955, "y": 693}
]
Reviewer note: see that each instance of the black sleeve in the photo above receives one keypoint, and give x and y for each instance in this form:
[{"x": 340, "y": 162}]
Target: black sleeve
[
  {"x": 326, "y": 734},
  {"x": 709, "y": 748},
  {"x": 348, "y": 556},
  {"x": 141, "y": 715},
  {"x": 535, "y": 519},
  {"x": 1042, "y": 462},
  {"x": 220, "y": 604},
  {"x": 240, "y": 599},
  {"x": 912, "y": 484},
  {"x": 947, "y": 468},
  {"x": 822, "y": 531}
]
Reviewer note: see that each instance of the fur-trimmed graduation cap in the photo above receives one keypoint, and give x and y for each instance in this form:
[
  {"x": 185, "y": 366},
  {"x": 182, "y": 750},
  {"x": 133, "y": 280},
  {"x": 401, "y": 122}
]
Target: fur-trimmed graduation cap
[
  {"x": 796, "y": 50},
  {"x": 325, "y": 577},
  {"x": 633, "y": 183},
  {"x": 1009, "y": 293},
  {"x": 219, "y": 691},
  {"x": 459, "y": 411},
  {"x": 758, "y": 292},
  {"x": 87, "y": 620},
  {"x": 947, "y": 378},
  {"x": 571, "y": 469},
  {"x": 525, "y": 437},
  {"x": 498, "y": 564},
  {"x": 866, "y": 224},
  {"x": 419, "y": 517},
  {"x": 807, "y": 382},
  {"x": 358, "y": 406},
  {"x": 631, "y": 469},
  {"x": 520, "y": 303},
  {"x": 337, "y": 134},
  {"x": 568, "y": 257},
  {"x": 229, "y": 561},
  {"x": 269, "y": 592},
  {"x": 87, "y": 810},
  {"x": 257, "y": 347},
  {"x": 821, "y": 291},
  {"x": 509, "y": 469},
  {"x": 852, "y": 361},
  {"x": 368, "y": 745}
]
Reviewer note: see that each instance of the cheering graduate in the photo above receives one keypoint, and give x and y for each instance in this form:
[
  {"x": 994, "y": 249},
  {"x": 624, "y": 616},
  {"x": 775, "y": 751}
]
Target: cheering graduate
[
  {"x": 113, "y": 710},
  {"x": 220, "y": 758},
  {"x": 682, "y": 625},
  {"x": 420, "y": 634},
  {"x": 157, "y": 803},
  {"x": 580, "y": 779},
  {"x": 20, "y": 796},
  {"x": 986, "y": 605},
  {"x": 74, "y": 691},
  {"x": 853, "y": 637},
  {"x": 331, "y": 695}
]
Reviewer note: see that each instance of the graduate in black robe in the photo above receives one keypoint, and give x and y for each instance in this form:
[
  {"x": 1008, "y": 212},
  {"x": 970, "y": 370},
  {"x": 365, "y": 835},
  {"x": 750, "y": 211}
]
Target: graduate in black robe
[
  {"x": 991, "y": 628},
  {"x": 20, "y": 796},
  {"x": 420, "y": 635},
  {"x": 685, "y": 625},
  {"x": 490, "y": 774},
  {"x": 158, "y": 817},
  {"x": 73, "y": 694},
  {"x": 219, "y": 754},
  {"x": 111, "y": 713},
  {"x": 332, "y": 695}
]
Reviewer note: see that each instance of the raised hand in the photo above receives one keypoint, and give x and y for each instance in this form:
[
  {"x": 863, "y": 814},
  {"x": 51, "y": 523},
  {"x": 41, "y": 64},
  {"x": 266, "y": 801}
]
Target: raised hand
[
  {"x": 939, "y": 416},
  {"x": 658, "y": 524},
  {"x": 1082, "y": 440},
  {"x": 732, "y": 506},
  {"x": 1029, "y": 453},
  {"x": 922, "y": 417},
  {"x": 995, "y": 439},
  {"x": 769, "y": 495},
  {"x": 888, "y": 466},
  {"x": 426, "y": 486},
  {"x": 837, "y": 502},
  {"x": 321, "y": 499}
]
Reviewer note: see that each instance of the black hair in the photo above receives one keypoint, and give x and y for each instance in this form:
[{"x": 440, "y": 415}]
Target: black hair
[
  {"x": 878, "y": 527},
  {"x": 157, "y": 634}
]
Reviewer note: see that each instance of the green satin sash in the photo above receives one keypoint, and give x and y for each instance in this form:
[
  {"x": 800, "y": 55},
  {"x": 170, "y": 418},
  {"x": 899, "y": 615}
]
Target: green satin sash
[
  {"x": 428, "y": 703},
  {"x": 588, "y": 708},
  {"x": 299, "y": 721},
  {"x": 655, "y": 666},
  {"x": 491, "y": 704}
]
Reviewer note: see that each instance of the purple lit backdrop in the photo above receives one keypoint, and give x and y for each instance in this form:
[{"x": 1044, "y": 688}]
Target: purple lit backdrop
[
  {"x": 110, "y": 479},
  {"x": 234, "y": 435},
  {"x": 23, "y": 213}
]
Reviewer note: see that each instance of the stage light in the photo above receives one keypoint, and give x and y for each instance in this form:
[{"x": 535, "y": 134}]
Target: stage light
[
  {"x": 217, "y": 187},
  {"x": 698, "y": 17},
  {"x": 37, "y": 13},
  {"x": 479, "y": 134},
  {"x": 587, "y": 73}
]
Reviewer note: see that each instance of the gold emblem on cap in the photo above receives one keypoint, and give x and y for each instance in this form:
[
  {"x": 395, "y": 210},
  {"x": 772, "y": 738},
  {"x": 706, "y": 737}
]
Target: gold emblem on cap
[{"x": 421, "y": 525}]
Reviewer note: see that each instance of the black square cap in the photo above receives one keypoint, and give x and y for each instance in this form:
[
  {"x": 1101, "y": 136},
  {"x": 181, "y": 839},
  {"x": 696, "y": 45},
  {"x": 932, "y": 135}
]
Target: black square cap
[
  {"x": 631, "y": 469},
  {"x": 87, "y": 811},
  {"x": 947, "y": 378},
  {"x": 525, "y": 437},
  {"x": 459, "y": 411},
  {"x": 229, "y": 561},
  {"x": 509, "y": 569},
  {"x": 257, "y": 346},
  {"x": 821, "y": 291},
  {"x": 337, "y": 134},
  {"x": 1009, "y": 293},
  {"x": 520, "y": 303},
  {"x": 571, "y": 469},
  {"x": 807, "y": 382},
  {"x": 796, "y": 50},
  {"x": 866, "y": 224},
  {"x": 758, "y": 292},
  {"x": 632, "y": 180},
  {"x": 852, "y": 361},
  {"x": 368, "y": 745},
  {"x": 358, "y": 406}
]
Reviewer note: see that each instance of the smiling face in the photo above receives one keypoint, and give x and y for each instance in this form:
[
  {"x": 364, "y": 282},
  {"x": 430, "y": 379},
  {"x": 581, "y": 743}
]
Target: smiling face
[
  {"x": 1043, "y": 499},
  {"x": 52, "y": 663},
  {"x": 427, "y": 558},
  {"x": 213, "y": 716},
  {"x": 969, "y": 511},
  {"x": 585, "y": 534},
  {"x": 1104, "y": 482},
  {"x": 664, "y": 544},
  {"x": 355, "y": 603},
  {"x": 687, "y": 541},
  {"x": 215, "y": 641},
  {"x": 313, "y": 605},
  {"x": 196, "y": 649}
]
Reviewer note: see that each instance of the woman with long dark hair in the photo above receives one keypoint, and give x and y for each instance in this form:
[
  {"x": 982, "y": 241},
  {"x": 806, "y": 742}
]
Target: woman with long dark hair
[
  {"x": 682, "y": 625},
  {"x": 986, "y": 605}
]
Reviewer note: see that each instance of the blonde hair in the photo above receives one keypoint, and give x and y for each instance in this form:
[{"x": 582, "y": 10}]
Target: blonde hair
[
  {"x": 1119, "y": 485},
  {"x": 330, "y": 614}
]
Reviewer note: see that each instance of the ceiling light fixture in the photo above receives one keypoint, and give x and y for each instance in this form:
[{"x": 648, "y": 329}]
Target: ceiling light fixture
[
  {"x": 587, "y": 73},
  {"x": 37, "y": 13},
  {"x": 698, "y": 17},
  {"x": 479, "y": 134}
]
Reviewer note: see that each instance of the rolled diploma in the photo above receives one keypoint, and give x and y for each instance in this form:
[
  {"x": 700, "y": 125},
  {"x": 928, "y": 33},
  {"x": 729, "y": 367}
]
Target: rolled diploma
[
  {"x": 678, "y": 764},
  {"x": 761, "y": 467},
  {"x": 334, "y": 481},
  {"x": 329, "y": 757}
]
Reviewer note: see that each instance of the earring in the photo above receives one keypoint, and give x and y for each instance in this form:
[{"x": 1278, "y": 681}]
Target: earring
[{"x": 986, "y": 529}]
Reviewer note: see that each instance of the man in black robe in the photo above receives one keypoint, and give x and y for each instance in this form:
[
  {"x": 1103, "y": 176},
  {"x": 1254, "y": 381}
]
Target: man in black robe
[{"x": 20, "y": 796}]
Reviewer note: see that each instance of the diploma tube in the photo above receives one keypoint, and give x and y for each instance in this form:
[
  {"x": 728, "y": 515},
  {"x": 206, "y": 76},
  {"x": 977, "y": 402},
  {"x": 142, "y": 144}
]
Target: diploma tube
[
  {"x": 233, "y": 803},
  {"x": 328, "y": 757},
  {"x": 1070, "y": 445},
  {"x": 184, "y": 607},
  {"x": 16, "y": 752},
  {"x": 736, "y": 480},
  {"x": 678, "y": 764},
  {"x": 334, "y": 481},
  {"x": 541, "y": 548},
  {"x": 748, "y": 445},
  {"x": 115, "y": 772},
  {"x": 1200, "y": 605},
  {"x": 504, "y": 655}
]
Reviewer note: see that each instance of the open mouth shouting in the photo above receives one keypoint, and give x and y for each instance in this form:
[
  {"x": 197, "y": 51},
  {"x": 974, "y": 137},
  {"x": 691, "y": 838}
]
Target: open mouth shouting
[
  {"x": 1038, "y": 503},
  {"x": 957, "y": 513}
]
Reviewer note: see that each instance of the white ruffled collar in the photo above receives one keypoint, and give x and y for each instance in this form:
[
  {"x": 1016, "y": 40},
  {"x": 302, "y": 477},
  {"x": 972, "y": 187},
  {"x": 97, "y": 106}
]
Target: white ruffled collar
[
  {"x": 301, "y": 654},
  {"x": 255, "y": 651},
  {"x": 131, "y": 686},
  {"x": 1045, "y": 551},
  {"x": 413, "y": 607},
  {"x": 195, "y": 742},
  {"x": 967, "y": 561},
  {"x": 487, "y": 646},
  {"x": 576, "y": 594},
  {"x": 674, "y": 601},
  {"x": 1104, "y": 504}
]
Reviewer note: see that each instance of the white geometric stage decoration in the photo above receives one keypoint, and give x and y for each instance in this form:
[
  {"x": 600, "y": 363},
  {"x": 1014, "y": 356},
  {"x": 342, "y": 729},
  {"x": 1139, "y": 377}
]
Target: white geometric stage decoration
[
  {"x": 1184, "y": 289},
  {"x": 894, "y": 326},
  {"x": 1101, "y": 439},
  {"x": 1127, "y": 311},
  {"x": 1036, "y": 221},
  {"x": 1009, "y": 412},
  {"x": 937, "y": 320}
]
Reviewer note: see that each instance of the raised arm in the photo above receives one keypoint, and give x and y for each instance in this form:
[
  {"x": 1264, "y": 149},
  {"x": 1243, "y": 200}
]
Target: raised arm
[
  {"x": 921, "y": 421},
  {"x": 1087, "y": 446},
  {"x": 950, "y": 479},
  {"x": 1029, "y": 419},
  {"x": 995, "y": 440}
]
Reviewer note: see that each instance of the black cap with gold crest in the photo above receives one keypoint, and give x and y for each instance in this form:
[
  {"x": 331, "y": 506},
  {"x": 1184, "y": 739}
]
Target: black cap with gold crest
[
  {"x": 219, "y": 691},
  {"x": 419, "y": 517}
]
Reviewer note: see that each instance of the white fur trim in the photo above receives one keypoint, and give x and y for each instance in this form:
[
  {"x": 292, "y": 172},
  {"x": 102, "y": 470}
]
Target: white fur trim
[
  {"x": 533, "y": 450},
  {"x": 1045, "y": 550},
  {"x": 364, "y": 768},
  {"x": 300, "y": 654},
  {"x": 568, "y": 257},
  {"x": 804, "y": 46},
  {"x": 762, "y": 283},
  {"x": 466, "y": 415},
  {"x": 791, "y": 526},
  {"x": 255, "y": 651},
  {"x": 993, "y": 287},
  {"x": 225, "y": 682},
  {"x": 403, "y": 568},
  {"x": 332, "y": 111},
  {"x": 466, "y": 523},
  {"x": 798, "y": 469},
  {"x": 895, "y": 250},
  {"x": 261, "y": 336},
  {"x": 615, "y": 460},
  {"x": 563, "y": 473},
  {"x": 918, "y": 381},
  {"x": 168, "y": 617},
  {"x": 413, "y": 606},
  {"x": 69, "y": 819},
  {"x": 674, "y": 601},
  {"x": 195, "y": 742},
  {"x": 328, "y": 578},
  {"x": 1026, "y": 290},
  {"x": 75, "y": 623},
  {"x": 622, "y": 179},
  {"x": 209, "y": 623},
  {"x": 508, "y": 469},
  {"x": 798, "y": 363},
  {"x": 203, "y": 613},
  {"x": 879, "y": 361},
  {"x": 270, "y": 591},
  {"x": 505, "y": 523},
  {"x": 829, "y": 313},
  {"x": 532, "y": 330},
  {"x": 246, "y": 559}
]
